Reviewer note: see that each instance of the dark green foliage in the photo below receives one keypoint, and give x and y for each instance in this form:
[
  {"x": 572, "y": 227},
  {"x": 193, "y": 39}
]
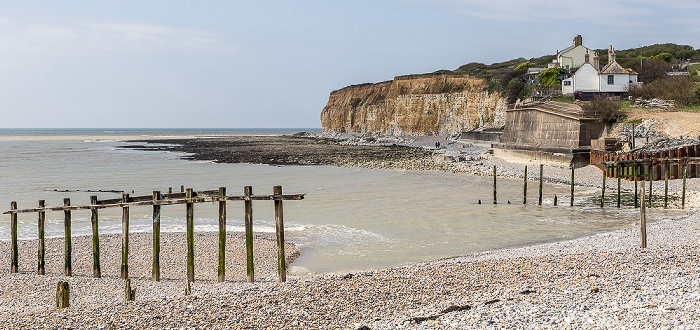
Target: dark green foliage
[
  {"x": 664, "y": 57},
  {"x": 550, "y": 76},
  {"x": 605, "y": 109}
]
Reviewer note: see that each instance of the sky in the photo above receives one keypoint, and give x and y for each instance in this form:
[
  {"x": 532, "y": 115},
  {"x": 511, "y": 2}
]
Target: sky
[{"x": 273, "y": 63}]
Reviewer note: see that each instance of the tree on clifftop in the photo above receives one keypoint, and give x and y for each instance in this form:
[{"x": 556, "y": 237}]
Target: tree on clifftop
[{"x": 550, "y": 76}]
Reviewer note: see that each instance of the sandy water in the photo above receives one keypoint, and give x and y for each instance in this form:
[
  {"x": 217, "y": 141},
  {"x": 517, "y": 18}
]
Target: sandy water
[{"x": 351, "y": 219}]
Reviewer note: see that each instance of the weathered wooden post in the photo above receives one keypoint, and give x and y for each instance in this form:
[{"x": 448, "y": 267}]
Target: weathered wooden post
[
  {"x": 68, "y": 270},
  {"x": 555, "y": 200},
  {"x": 13, "y": 232},
  {"x": 190, "y": 234},
  {"x": 525, "y": 187},
  {"x": 62, "y": 295},
  {"x": 155, "y": 272},
  {"x": 279, "y": 229},
  {"x": 495, "y": 201},
  {"x": 636, "y": 180},
  {"x": 572, "y": 184},
  {"x": 651, "y": 180},
  {"x": 685, "y": 174},
  {"x": 619, "y": 178},
  {"x": 643, "y": 214},
  {"x": 125, "y": 238},
  {"x": 182, "y": 189},
  {"x": 667, "y": 170},
  {"x": 188, "y": 287},
  {"x": 221, "y": 275},
  {"x": 540, "y": 197},
  {"x": 42, "y": 246},
  {"x": 96, "y": 271},
  {"x": 247, "y": 192},
  {"x": 129, "y": 293},
  {"x": 170, "y": 190},
  {"x": 602, "y": 191}
]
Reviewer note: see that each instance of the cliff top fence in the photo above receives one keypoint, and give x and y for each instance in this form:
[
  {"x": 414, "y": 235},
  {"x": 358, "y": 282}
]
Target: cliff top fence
[
  {"x": 157, "y": 200},
  {"x": 669, "y": 158}
]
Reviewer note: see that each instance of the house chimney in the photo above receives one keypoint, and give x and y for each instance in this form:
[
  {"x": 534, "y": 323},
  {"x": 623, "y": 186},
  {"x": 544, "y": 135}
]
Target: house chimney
[
  {"x": 586, "y": 57},
  {"x": 596, "y": 60},
  {"x": 611, "y": 54},
  {"x": 578, "y": 40}
]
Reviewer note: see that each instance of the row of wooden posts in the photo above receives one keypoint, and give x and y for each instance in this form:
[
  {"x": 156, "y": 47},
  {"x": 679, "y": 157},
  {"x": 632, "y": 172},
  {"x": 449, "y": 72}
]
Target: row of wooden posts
[
  {"x": 637, "y": 173},
  {"x": 157, "y": 200}
]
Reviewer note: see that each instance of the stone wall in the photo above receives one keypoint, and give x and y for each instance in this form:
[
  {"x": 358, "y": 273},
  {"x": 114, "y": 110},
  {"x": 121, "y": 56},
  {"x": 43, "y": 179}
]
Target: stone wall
[
  {"x": 417, "y": 104},
  {"x": 541, "y": 129}
]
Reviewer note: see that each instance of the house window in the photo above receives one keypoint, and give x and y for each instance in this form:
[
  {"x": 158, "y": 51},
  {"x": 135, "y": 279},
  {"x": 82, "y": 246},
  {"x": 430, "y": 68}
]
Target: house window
[
  {"x": 567, "y": 82},
  {"x": 611, "y": 80}
]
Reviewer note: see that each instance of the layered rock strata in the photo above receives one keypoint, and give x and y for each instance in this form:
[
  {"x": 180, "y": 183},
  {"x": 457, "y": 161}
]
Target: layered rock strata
[{"x": 417, "y": 104}]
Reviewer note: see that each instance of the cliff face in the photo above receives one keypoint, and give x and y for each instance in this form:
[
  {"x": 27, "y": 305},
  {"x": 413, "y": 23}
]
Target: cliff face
[{"x": 422, "y": 104}]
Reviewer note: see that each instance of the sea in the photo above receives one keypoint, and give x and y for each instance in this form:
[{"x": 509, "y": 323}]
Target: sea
[{"x": 350, "y": 219}]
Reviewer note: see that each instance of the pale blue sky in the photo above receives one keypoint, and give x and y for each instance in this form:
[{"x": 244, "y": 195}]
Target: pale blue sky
[{"x": 226, "y": 64}]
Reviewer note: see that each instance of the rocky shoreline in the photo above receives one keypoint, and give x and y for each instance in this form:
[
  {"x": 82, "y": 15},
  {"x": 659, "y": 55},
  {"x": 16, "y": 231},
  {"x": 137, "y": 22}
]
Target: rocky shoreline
[{"x": 601, "y": 281}]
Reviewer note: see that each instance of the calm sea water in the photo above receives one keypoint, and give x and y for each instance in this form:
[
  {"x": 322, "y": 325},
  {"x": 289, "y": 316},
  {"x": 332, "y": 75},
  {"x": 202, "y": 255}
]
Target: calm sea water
[{"x": 351, "y": 219}]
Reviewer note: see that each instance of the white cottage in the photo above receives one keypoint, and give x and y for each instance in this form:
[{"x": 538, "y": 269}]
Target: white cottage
[
  {"x": 573, "y": 56},
  {"x": 587, "y": 81}
]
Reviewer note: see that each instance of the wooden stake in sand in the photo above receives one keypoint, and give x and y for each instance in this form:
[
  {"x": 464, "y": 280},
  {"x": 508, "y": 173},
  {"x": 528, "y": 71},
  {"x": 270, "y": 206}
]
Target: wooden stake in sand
[
  {"x": 190, "y": 235},
  {"x": 572, "y": 184},
  {"x": 96, "y": 271},
  {"x": 221, "y": 274},
  {"x": 42, "y": 246},
  {"x": 13, "y": 232},
  {"x": 525, "y": 187},
  {"x": 685, "y": 174},
  {"x": 643, "y": 215},
  {"x": 125, "y": 239},
  {"x": 247, "y": 192},
  {"x": 67, "y": 265},
  {"x": 279, "y": 229},
  {"x": 540, "y": 198},
  {"x": 495, "y": 201},
  {"x": 129, "y": 293},
  {"x": 62, "y": 295},
  {"x": 602, "y": 190},
  {"x": 155, "y": 272}
]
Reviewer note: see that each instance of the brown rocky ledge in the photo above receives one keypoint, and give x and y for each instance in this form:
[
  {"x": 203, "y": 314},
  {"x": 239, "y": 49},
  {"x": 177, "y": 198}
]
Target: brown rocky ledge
[{"x": 293, "y": 150}]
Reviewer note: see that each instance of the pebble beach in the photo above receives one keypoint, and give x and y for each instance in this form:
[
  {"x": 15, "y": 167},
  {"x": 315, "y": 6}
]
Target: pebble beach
[{"x": 601, "y": 281}]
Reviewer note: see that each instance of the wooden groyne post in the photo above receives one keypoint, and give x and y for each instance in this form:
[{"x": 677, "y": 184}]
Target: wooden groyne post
[
  {"x": 96, "y": 270},
  {"x": 643, "y": 220},
  {"x": 157, "y": 201},
  {"x": 221, "y": 272},
  {"x": 155, "y": 271},
  {"x": 125, "y": 238},
  {"x": 572, "y": 185},
  {"x": 602, "y": 190},
  {"x": 42, "y": 246},
  {"x": 495, "y": 201},
  {"x": 248, "y": 204},
  {"x": 539, "y": 201},
  {"x": 525, "y": 187},
  {"x": 68, "y": 268}
]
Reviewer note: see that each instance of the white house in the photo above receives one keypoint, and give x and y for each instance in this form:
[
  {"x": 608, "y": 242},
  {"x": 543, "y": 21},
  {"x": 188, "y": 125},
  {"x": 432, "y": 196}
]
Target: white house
[
  {"x": 573, "y": 56},
  {"x": 587, "y": 81}
]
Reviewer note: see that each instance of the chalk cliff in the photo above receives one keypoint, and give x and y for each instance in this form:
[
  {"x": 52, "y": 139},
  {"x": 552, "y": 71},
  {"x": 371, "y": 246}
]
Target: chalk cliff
[{"x": 416, "y": 104}]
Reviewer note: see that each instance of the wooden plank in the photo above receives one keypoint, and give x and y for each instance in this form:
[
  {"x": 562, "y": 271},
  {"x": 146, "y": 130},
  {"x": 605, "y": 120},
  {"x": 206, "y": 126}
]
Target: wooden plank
[{"x": 161, "y": 202}]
